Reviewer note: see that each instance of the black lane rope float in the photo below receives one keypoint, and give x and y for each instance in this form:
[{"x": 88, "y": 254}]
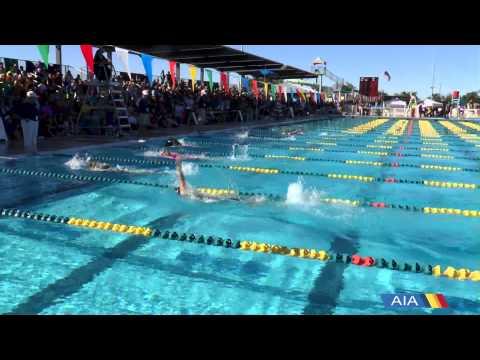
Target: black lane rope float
[
  {"x": 186, "y": 149},
  {"x": 68, "y": 176},
  {"x": 221, "y": 193},
  {"x": 345, "y": 162},
  {"x": 380, "y": 144},
  {"x": 450, "y": 272}
]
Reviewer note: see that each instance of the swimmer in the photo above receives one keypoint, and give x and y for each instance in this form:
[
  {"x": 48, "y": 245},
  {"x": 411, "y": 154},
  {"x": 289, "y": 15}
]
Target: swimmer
[
  {"x": 184, "y": 189},
  {"x": 172, "y": 142},
  {"x": 98, "y": 166}
]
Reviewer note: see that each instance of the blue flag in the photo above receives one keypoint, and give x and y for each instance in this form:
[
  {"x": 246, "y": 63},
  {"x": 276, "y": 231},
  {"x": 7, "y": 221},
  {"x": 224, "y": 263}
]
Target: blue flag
[
  {"x": 147, "y": 64},
  {"x": 245, "y": 83},
  {"x": 266, "y": 72}
]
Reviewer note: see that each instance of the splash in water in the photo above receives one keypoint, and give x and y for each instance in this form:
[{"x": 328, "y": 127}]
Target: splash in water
[
  {"x": 323, "y": 134},
  {"x": 242, "y": 135},
  {"x": 77, "y": 162},
  {"x": 298, "y": 195},
  {"x": 239, "y": 152}
]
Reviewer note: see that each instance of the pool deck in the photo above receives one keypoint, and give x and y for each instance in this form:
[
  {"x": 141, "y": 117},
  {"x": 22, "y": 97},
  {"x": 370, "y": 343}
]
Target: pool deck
[{"x": 50, "y": 145}]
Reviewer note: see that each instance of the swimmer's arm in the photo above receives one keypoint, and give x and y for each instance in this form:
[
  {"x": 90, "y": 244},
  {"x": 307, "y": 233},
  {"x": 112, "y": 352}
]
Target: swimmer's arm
[{"x": 181, "y": 179}]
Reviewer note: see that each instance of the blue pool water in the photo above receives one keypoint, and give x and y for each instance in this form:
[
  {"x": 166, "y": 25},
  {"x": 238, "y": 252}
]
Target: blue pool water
[{"x": 57, "y": 269}]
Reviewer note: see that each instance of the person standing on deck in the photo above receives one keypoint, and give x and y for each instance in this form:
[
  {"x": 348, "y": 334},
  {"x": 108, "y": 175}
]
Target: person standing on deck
[{"x": 27, "y": 111}]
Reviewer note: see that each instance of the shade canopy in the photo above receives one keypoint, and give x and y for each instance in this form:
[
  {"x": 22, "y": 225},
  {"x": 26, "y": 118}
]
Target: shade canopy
[{"x": 221, "y": 58}]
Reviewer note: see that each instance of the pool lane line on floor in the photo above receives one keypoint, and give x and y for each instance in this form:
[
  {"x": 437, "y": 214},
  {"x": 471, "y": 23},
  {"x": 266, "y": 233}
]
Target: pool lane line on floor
[
  {"x": 79, "y": 277},
  {"x": 312, "y": 254}
]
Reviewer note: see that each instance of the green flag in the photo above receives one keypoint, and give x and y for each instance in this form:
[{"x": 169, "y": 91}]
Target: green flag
[
  {"x": 210, "y": 81},
  {"x": 273, "y": 90},
  {"x": 44, "y": 49}
]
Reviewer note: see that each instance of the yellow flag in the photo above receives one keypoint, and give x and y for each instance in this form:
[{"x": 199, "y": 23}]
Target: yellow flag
[
  {"x": 193, "y": 75},
  {"x": 265, "y": 84}
]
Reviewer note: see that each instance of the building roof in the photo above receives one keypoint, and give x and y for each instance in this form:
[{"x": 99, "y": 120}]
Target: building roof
[{"x": 221, "y": 58}]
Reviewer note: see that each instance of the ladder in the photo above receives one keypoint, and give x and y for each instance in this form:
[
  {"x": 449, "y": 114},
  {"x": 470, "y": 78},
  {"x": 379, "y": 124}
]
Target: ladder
[{"x": 121, "y": 111}]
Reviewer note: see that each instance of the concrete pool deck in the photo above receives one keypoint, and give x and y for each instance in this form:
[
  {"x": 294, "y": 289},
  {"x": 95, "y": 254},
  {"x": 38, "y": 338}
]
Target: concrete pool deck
[{"x": 79, "y": 142}]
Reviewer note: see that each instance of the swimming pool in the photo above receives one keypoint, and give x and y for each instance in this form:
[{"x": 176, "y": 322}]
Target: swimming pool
[{"x": 378, "y": 165}]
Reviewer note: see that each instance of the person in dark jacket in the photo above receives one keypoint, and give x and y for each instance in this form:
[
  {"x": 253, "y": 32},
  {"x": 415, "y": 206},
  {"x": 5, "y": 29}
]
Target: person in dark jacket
[{"x": 27, "y": 111}]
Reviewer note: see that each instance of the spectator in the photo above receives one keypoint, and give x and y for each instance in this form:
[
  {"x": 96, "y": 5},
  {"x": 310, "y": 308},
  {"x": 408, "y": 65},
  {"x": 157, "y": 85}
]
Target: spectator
[
  {"x": 27, "y": 111},
  {"x": 143, "y": 109}
]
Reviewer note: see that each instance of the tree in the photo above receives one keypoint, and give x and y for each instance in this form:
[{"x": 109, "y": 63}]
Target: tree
[{"x": 470, "y": 97}]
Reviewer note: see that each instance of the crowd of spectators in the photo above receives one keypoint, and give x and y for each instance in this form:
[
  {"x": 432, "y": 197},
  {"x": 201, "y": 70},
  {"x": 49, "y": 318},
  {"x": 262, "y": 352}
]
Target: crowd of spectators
[{"x": 61, "y": 99}]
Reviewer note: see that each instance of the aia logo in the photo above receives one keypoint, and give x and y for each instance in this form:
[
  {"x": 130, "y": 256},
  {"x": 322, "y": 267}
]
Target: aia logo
[{"x": 435, "y": 301}]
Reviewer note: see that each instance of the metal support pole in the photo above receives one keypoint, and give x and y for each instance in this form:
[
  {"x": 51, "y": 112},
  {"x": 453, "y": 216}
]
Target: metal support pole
[
  {"x": 58, "y": 54},
  {"x": 177, "y": 73}
]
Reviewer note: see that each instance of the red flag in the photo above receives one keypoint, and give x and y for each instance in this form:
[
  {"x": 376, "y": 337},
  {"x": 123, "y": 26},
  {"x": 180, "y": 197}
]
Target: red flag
[
  {"x": 223, "y": 81},
  {"x": 173, "y": 65},
  {"x": 254, "y": 88},
  {"x": 87, "y": 52}
]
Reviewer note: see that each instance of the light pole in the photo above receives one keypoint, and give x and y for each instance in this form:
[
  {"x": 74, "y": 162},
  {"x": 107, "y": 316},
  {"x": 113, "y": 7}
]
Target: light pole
[{"x": 319, "y": 68}]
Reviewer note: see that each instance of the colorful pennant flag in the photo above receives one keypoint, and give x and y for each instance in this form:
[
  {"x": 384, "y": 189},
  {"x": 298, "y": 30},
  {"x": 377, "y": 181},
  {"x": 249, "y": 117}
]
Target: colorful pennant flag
[
  {"x": 255, "y": 88},
  {"x": 147, "y": 64},
  {"x": 87, "y": 51},
  {"x": 173, "y": 65},
  {"x": 265, "y": 88},
  {"x": 245, "y": 83},
  {"x": 223, "y": 81},
  {"x": 44, "y": 50},
  {"x": 122, "y": 55},
  {"x": 210, "y": 81},
  {"x": 193, "y": 75}
]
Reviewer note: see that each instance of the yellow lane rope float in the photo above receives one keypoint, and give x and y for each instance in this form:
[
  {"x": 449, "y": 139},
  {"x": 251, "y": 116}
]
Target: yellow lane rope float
[
  {"x": 470, "y": 125},
  {"x": 363, "y": 128},
  {"x": 255, "y": 170},
  {"x": 313, "y": 254},
  {"x": 427, "y": 130},
  {"x": 461, "y": 133},
  {"x": 298, "y": 158},
  {"x": 398, "y": 128}
]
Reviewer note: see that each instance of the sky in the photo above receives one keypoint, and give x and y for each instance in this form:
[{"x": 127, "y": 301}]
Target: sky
[{"x": 457, "y": 67}]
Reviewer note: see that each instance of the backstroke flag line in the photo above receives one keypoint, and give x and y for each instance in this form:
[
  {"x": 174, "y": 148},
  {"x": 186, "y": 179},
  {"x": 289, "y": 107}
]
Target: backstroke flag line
[
  {"x": 44, "y": 49},
  {"x": 122, "y": 55}
]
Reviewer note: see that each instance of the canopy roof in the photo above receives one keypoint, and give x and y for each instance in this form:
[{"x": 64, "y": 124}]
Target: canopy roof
[
  {"x": 221, "y": 58},
  {"x": 397, "y": 103},
  {"x": 430, "y": 102}
]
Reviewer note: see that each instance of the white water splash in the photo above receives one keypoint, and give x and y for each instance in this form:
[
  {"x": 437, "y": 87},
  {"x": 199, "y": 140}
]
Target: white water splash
[
  {"x": 323, "y": 134},
  {"x": 239, "y": 152},
  {"x": 142, "y": 141},
  {"x": 298, "y": 195},
  {"x": 242, "y": 135},
  {"x": 77, "y": 162},
  {"x": 189, "y": 168}
]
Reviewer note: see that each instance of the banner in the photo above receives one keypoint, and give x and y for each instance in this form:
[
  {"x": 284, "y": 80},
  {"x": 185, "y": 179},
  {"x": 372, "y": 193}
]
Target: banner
[
  {"x": 173, "y": 65},
  {"x": 273, "y": 90},
  {"x": 44, "y": 50},
  {"x": 300, "y": 94},
  {"x": 87, "y": 51},
  {"x": 147, "y": 64},
  {"x": 210, "y": 81},
  {"x": 122, "y": 55},
  {"x": 245, "y": 84},
  {"x": 223, "y": 81},
  {"x": 255, "y": 88},
  {"x": 193, "y": 75}
]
